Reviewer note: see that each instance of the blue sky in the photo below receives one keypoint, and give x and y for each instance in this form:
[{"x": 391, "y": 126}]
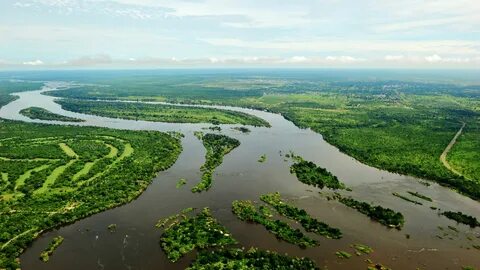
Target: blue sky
[{"x": 215, "y": 33}]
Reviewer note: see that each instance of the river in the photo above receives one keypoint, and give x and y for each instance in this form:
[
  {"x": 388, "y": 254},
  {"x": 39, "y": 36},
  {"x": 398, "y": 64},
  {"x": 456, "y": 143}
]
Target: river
[{"x": 135, "y": 244}]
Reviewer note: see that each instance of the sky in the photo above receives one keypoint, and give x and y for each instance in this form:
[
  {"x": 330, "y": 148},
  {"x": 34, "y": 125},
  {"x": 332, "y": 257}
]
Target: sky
[{"x": 56, "y": 34}]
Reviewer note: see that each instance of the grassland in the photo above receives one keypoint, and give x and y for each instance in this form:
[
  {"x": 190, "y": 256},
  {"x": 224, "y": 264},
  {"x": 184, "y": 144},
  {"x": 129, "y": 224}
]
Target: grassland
[
  {"x": 161, "y": 112},
  {"x": 52, "y": 175},
  {"x": 42, "y": 114}
]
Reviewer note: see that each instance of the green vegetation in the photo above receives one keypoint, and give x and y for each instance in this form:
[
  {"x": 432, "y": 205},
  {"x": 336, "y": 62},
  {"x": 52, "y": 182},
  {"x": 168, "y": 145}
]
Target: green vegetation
[
  {"x": 308, "y": 223},
  {"x": 362, "y": 249},
  {"x": 343, "y": 255},
  {"x": 53, "y": 175},
  {"x": 242, "y": 129},
  {"x": 45, "y": 255},
  {"x": 217, "y": 147},
  {"x": 462, "y": 218},
  {"x": 112, "y": 227},
  {"x": 42, "y": 114},
  {"x": 465, "y": 154},
  {"x": 418, "y": 195},
  {"x": 384, "y": 216},
  {"x": 8, "y": 87},
  {"x": 398, "y": 125},
  {"x": 406, "y": 198},
  {"x": 307, "y": 172},
  {"x": 181, "y": 183},
  {"x": 262, "y": 158},
  {"x": 239, "y": 259},
  {"x": 161, "y": 112},
  {"x": 201, "y": 232},
  {"x": 246, "y": 211}
]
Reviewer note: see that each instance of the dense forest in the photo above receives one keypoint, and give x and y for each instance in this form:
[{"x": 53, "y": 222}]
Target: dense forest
[
  {"x": 397, "y": 125},
  {"x": 52, "y": 175},
  {"x": 161, "y": 112},
  {"x": 42, "y": 114}
]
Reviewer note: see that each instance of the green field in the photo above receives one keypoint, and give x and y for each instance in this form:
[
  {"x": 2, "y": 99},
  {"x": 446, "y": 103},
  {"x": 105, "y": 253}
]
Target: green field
[
  {"x": 161, "y": 113},
  {"x": 42, "y": 114},
  {"x": 52, "y": 175}
]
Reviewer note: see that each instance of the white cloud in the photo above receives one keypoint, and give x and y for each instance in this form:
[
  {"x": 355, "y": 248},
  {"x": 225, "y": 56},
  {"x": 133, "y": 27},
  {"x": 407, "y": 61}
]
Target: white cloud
[
  {"x": 33, "y": 63},
  {"x": 394, "y": 57},
  {"x": 356, "y": 46},
  {"x": 343, "y": 59}
]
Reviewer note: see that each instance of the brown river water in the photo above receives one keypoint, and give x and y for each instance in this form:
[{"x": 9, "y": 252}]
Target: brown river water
[{"x": 135, "y": 244}]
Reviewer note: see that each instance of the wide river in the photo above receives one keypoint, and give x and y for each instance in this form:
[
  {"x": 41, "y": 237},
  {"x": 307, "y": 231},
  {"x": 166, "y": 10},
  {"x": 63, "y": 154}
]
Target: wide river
[{"x": 135, "y": 244}]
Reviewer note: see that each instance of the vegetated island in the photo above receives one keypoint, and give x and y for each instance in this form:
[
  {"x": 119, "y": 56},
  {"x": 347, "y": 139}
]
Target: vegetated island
[
  {"x": 384, "y": 216},
  {"x": 188, "y": 233},
  {"x": 234, "y": 259},
  {"x": 262, "y": 158},
  {"x": 53, "y": 175},
  {"x": 56, "y": 241},
  {"x": 406, "y": 198},
  {"x": 161, "y": 112},
  {"x": 246, "y": 211},
  {"x": 43, "y": 114},
  {"x": 309, "y": 173},
  {"x": 308, "y": 223},
  {"x": 420, "y": 196},
  {"x": 217, "y": 147},
  {"x": 462, "y": 218}
]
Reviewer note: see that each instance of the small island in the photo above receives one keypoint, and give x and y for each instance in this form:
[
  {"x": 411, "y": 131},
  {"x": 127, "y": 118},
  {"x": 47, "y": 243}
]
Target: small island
[{"x": 42, "y": 114}]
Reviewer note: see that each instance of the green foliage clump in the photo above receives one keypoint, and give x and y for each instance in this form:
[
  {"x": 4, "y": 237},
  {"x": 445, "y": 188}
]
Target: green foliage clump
[
  {"x": 307, "y": 172},
  {"x": 308, "y": 223},
  {"x": 462, "y": 218},
  {"x": 362, "y": 249},
  {"x": 384, "y": 216},
  {"x": 242, "y": 129},
  {"x": 45, "y": 255},
  {"x": 217, "y": 147},
  {"x": 421, "y": 196},
  {"x": 262, "y": 158},
  {"x": 246, "y": 211},
  {"x": 181, "y": 183},
  {"x": 238, "y": 259},
  {"x": 406, "y": 198},
  {"x": 201, "y": 231},
  {"x": 343, "y": 255},
  {"x": 43, "y": 114}
]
